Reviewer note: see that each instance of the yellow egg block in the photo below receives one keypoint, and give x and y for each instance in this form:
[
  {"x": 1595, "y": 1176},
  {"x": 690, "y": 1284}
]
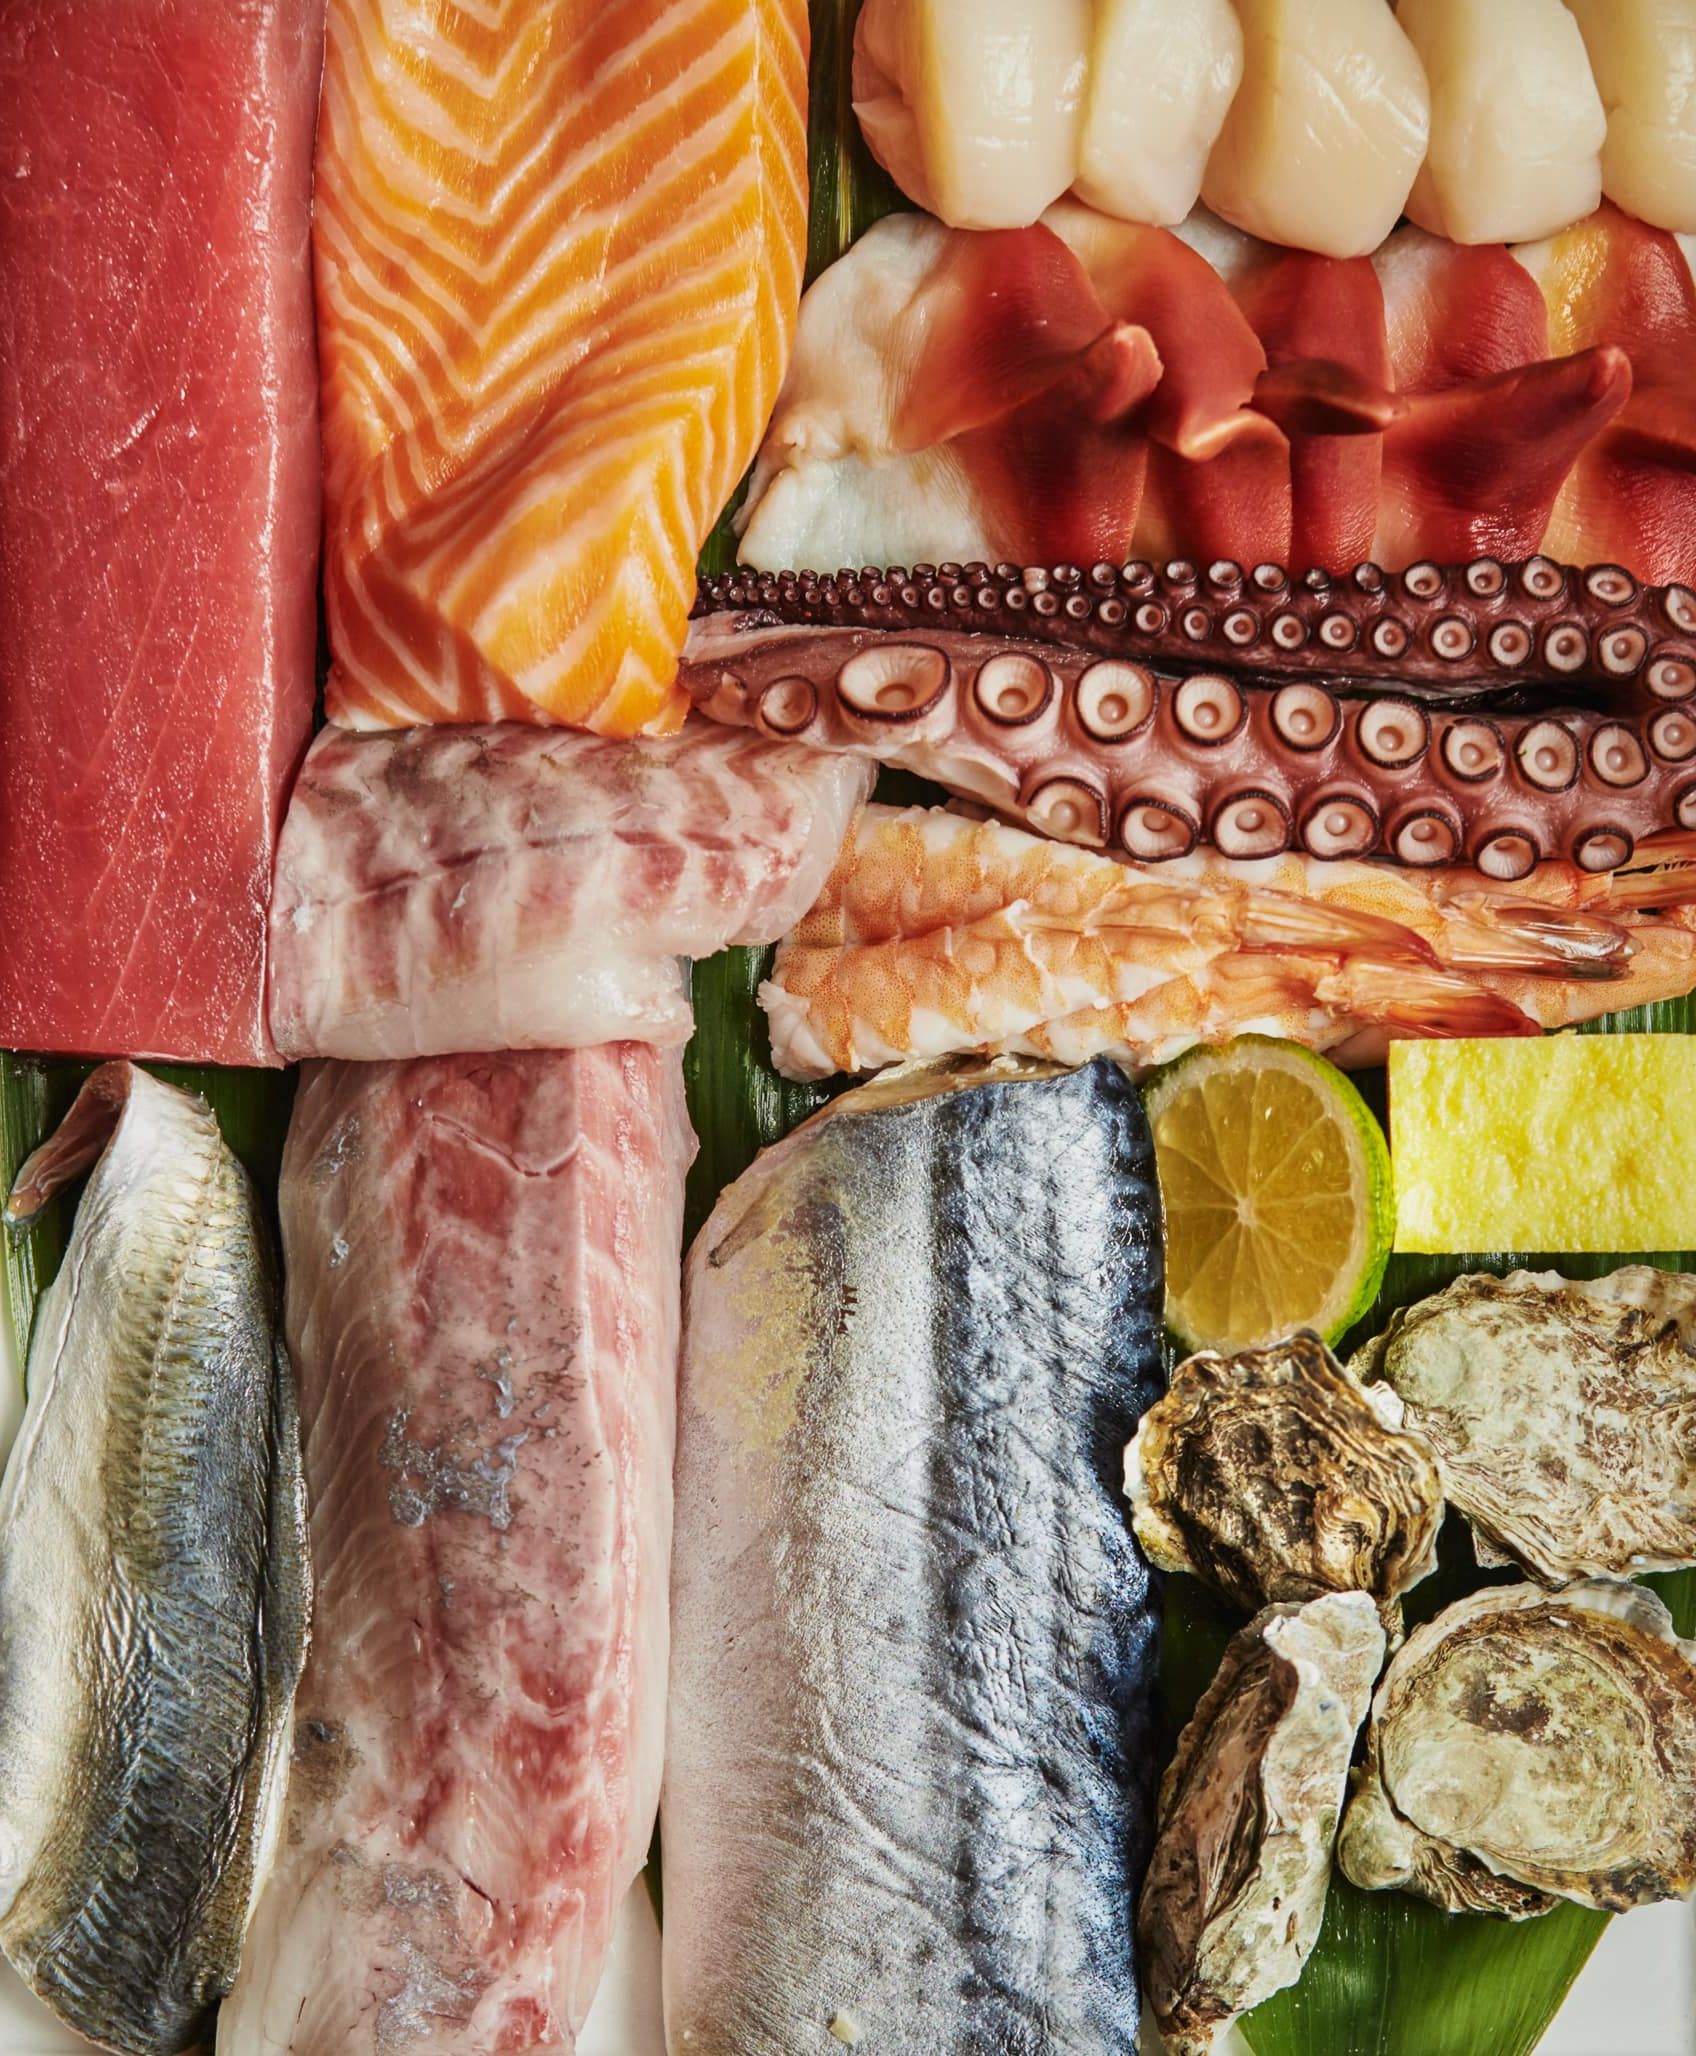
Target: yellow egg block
[{"x": 1568, "y": 1142}]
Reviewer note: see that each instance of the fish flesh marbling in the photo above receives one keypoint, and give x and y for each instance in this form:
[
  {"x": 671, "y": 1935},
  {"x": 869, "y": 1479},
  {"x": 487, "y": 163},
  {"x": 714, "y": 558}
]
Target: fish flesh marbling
[
  {"x": 483, "y": 1302},
  {"x": 910, "y": 1763},
  {"x": 153, "y": 1577},
  {"x": 160, "y": 514},
  {"x": 558, "y": 249},
  {"x": 510, "y": 887}
]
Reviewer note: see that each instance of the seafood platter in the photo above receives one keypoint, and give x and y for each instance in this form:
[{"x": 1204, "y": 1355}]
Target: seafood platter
[{"x": 847, "y": 925}]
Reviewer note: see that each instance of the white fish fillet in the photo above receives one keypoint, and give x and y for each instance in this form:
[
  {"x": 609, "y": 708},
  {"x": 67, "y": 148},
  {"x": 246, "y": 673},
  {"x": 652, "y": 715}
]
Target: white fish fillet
[
  {"x": 521, "y": 888},
  {"x": 483, "y": 1267}
]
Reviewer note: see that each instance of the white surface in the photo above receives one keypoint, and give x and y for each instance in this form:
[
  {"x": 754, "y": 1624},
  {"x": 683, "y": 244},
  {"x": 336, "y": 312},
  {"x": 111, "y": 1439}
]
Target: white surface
[{"x": 1637, "y": 1995}]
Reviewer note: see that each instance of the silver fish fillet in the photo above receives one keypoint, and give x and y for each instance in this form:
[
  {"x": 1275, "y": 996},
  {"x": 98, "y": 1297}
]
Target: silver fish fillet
[
  {"x": 154, "y": 1581},
  {"x": 910, "y": 1771}
]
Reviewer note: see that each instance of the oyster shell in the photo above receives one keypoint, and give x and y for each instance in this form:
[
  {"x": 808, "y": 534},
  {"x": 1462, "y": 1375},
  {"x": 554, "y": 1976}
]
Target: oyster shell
[
  {"x": 1272, "y": 1475},
  {"x": 1563, "y": 1415},
  {"x": 1236, "y": 1886},
  {"x": 1527, "y": 1746}
]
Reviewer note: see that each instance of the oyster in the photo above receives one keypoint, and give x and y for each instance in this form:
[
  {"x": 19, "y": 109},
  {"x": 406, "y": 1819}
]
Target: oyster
[
  {"x": 1527, "y": 1746},
  {"x": 1563, "y": 1415},
  {"x": 1272, "y": 1475},
  {"x": 1236, "y": 1886}
]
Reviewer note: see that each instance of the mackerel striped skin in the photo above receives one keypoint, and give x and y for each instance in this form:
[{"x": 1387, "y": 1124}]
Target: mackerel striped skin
[
  {"x": 153, "y": 1577},
  {"x": 558, "y": 246},
  {"x": 910, "y": 1772}
]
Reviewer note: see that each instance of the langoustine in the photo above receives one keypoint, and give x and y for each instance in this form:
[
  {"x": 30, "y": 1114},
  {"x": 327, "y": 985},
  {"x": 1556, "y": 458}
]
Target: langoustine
[
  {"x": 509, "y": 887},
  {"x": 938, "y": 933},
  {"x": 483, "y": 1304},
  {"x": 910, "y": 1763}
]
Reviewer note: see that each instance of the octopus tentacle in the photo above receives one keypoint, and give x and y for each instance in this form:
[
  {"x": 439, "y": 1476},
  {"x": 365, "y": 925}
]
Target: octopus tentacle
[
  {"x": 1475, "y": 629},
  {"x": 1113, "y": 751}
]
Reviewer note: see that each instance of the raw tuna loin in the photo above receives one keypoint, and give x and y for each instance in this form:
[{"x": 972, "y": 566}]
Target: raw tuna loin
[{"x": 160, "y": 511}]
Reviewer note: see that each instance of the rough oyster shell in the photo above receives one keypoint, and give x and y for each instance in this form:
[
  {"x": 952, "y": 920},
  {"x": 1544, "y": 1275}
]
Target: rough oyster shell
[
  {"x": 1528, "y": 1745},
  {"x": 1236, "y": 1886},
  {"x": 1273, "y": 1476},
  {"x": 1563, "y": 1415}
]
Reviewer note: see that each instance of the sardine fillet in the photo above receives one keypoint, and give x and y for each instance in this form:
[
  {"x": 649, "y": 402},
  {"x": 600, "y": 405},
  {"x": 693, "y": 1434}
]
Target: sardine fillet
[
  {"x": 509, "y": 887},
  {"x": 482, "y": 1294},
  {"x": 559, "y": 249},
  {"x": 910, "y": 1765},
  {"x": 153, "y": 1577}
]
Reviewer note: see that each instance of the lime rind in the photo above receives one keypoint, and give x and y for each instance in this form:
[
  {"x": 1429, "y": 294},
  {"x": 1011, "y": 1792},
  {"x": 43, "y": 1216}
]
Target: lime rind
[{"x": 1243, "y": 1162}]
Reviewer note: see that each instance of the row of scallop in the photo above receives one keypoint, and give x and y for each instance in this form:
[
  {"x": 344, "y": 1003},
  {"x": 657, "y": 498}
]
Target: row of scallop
[
  {"x": 1465, "y": 627},
  {"x": 1107, "y": 751},
  {"x": 1313, "y": 123}
]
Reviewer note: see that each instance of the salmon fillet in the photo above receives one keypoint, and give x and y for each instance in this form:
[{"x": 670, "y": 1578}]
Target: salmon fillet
[{"x": 559, "y": 248}]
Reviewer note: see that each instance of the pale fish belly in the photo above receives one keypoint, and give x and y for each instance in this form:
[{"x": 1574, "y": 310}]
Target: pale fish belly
[
  {"x": 508, "y": 887},
  {"x": 910, "y": 1766},
  {"x": 153, "y": 1577},
  {"x": 483, "y": 1299}
]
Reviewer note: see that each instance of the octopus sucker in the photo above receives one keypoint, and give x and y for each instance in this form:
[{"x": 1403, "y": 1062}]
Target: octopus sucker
[{"x": 1148, "y": 709}]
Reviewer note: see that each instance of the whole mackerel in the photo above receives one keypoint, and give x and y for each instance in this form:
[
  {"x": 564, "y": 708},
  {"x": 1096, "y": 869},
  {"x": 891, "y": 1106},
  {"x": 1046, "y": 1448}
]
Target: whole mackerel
[
  {"x": 910, "y": 1769},
  {"x": 153, "y": 1577}
]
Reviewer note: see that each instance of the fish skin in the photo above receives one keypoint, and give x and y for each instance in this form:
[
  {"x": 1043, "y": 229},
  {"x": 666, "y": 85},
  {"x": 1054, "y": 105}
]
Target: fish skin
[
  {"x": 558, "y": 247},
  {"x": 910, "y": 1769},
  {"x": 153, "y": 1578},
  {"x": 483, "y": 1285},
  {"x": 508, "y": 887}
]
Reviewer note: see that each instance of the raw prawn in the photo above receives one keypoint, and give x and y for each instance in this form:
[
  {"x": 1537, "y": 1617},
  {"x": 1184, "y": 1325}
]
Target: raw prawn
[{"x": 938, "y": 933}]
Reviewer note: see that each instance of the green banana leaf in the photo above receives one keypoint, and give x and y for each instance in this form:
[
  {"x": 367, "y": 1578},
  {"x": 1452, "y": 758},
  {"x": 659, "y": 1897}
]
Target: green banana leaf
[{"x": 1390, "y": 1976}]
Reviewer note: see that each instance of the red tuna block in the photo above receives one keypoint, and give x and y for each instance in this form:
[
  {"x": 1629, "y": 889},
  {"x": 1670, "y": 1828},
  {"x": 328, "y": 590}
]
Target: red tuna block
[{"x": 159, "y": 512}]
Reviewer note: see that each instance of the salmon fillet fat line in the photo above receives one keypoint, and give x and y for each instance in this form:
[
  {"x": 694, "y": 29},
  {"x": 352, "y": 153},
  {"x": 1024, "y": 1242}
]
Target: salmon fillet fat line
[{"x": 559, "y": 249}]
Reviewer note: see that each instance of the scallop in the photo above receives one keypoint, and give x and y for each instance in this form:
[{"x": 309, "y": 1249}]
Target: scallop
[
  {"x": 1328, "y": 128},
  {"x": 1517, "y": 125}
]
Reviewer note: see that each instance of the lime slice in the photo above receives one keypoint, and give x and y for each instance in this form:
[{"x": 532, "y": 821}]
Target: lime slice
[{"x": 1276, "y": 1184}]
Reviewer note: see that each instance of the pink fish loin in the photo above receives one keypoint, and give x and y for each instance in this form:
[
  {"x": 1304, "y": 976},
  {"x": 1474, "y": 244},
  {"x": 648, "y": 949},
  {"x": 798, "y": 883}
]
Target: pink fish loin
[{"x": 483, "y": 1284}]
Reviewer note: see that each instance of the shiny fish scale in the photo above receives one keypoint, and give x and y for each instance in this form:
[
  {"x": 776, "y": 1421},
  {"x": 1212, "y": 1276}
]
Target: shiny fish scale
[
  {"x": 152, "y": 1592},
  {"x": 909, "y": 1779}
]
